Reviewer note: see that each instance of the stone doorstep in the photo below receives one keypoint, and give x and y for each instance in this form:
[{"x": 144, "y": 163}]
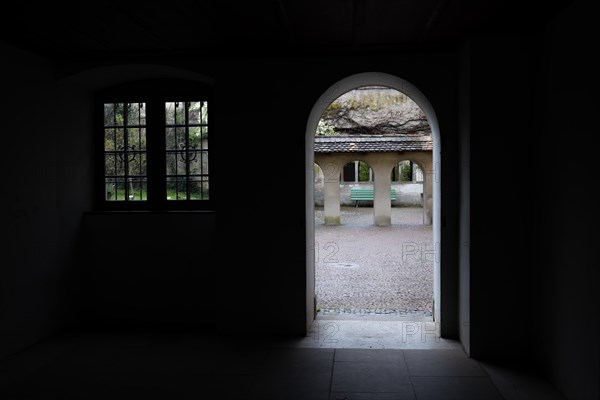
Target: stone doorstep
[{"x": 378, "y": 311}]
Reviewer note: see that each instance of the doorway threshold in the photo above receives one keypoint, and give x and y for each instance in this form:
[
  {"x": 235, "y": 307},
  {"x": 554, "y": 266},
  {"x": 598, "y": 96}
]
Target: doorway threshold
[{"x": 375, "y": 332}]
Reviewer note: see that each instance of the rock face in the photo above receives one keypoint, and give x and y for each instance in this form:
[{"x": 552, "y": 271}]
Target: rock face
[{"x": 373, "y": 110}]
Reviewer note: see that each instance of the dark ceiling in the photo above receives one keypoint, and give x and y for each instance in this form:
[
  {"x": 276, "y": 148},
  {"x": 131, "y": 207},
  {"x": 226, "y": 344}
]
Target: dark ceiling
[{"x": 184, "y": 28}]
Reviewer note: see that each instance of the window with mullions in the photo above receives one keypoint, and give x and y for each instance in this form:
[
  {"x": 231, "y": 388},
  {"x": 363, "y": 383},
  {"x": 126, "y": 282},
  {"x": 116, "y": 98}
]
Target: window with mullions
[
  {"x": 186, "y": 150},
  {"x": 125, "y": 168},
  {"x": 154, "y": 153}
]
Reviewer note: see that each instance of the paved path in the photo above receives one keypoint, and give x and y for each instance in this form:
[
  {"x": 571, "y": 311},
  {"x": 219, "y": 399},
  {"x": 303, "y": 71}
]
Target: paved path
[{"x": 367, "y": 269}]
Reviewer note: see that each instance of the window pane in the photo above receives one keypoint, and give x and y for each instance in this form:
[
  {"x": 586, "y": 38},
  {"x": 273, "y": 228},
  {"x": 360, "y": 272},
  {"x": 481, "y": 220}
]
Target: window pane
[
  {"x": 204, "y": 137},
  {"x": 125, "y": 160},
  {"x": 195, "y": 164},
  {"x": 182, "y": 188},
  {"x": 138, "y": 189},
  {"x": 175, "y": 113},
  {"x": 171, "y": 189},
  {"x": 109, "y": 114},
  {"x": 120, "y": 164},
  {"x": 136, "y": 114},
  {"x": 119, "y": 189},
  {"x": 170, "y": 113},
  {"x": 179, "y": 113},
  {"x": 142, "y": 107},
  {"x": 205, "y": 113},
  {"x": 119, "y": 116},
  {"x": 181, "y": 162},
  {"x": 205, "y": 187},
  {"x": 114, "y": 114},
  {"x": 119, "y": 139},
  {"x": 133, "y": 138},
  {"x": 195, "y": 112},
  {"x": 109, "y": 189},
  {"x": 170, "y": 139},
  {"x": 176, "y": 163},
  {"x": 180, "y": 138},
  {"x": 199, "y": 188},
  {"x": 109, "y": 139},
  {"x": 110, "y": 163},
  {"x": 136, "y": 164},
  {"x": 172, "y": 163},
  {"x": 204, "y": 160},
  {"x": 143, "y": 139},
  {"x": 195, "y": 136},
  {"x": 176, "y": 189},
  {"x": 143, "y": 165},
  {"x": 186, "y": 150}
]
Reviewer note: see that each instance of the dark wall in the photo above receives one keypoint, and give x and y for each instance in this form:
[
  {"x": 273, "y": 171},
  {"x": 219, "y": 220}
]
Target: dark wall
[
  {"x": 44, "y": 192},
  {"x": 564, "y": 327},
  {"x": 499, "y": 127},
  {"x": 464, "y": 173},
  {"x": 528, "y": 123},
  {"x": 150, "y": 268}
]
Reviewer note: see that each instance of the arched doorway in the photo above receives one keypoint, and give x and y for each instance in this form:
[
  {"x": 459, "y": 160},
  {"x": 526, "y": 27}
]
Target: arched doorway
[{"x": 431, "y": 171}]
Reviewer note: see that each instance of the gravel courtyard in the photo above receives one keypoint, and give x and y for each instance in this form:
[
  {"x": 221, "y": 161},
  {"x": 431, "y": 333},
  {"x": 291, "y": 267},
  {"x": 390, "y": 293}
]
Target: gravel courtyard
[{"x": 367, "y": 269}]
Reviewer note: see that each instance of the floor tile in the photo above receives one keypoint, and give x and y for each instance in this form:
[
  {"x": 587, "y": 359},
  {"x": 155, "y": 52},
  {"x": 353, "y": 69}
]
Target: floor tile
[
  {"x": 155, "y": 365},
  {"x": 368, "y": 355},
  {"x": 454, "y": 388},
  {"x": 299, "y": 360},
  {"x": 441, "y": 363},
  {"x": 518, "y": 384},
  {"x": 370, "y": 377},
  {"x": 408, "y": 395},
  {"x": 293, "y": 385}
]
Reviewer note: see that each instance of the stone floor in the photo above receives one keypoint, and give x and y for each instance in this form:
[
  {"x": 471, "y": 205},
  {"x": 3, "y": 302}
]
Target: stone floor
[
  {"x": 165, "y": 365},
  {"x": 365, "y": 269}
]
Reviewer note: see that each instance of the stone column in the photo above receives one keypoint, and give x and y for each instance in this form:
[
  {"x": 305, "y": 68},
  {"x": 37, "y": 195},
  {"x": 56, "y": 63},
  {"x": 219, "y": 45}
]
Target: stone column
[
  {"x": 382, "y": 205},
  {"x": 331, "y": 206},
  {"x": 355, "y": 171},
  {"x": 429, "y": 175}
]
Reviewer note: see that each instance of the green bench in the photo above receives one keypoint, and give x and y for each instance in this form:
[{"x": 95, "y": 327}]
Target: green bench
[{"x": 361, "y": 194}]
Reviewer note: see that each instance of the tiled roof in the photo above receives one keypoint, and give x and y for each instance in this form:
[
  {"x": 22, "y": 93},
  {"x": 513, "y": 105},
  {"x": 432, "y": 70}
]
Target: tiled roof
[{"x": 372, "y": 144}]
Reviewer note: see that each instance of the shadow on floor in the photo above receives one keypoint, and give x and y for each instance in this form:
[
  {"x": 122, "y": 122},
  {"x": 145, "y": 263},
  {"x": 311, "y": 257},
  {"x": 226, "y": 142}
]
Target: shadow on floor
[{"x": 160, "y": 364}]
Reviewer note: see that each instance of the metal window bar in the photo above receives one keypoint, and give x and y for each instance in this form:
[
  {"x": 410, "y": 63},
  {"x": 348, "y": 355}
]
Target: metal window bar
[
  {"x": 126, "y": 153},
  {"x": 187, "y": 153},
  {"x": 187, "y": 150}
]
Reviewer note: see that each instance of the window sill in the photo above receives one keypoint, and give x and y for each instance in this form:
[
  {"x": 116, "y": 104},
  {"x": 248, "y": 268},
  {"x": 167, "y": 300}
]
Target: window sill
[{"x": 150, "y": 212}]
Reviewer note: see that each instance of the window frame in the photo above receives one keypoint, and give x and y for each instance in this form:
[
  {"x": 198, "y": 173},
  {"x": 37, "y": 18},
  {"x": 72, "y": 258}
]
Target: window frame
[{"x": 155, "y": 94}]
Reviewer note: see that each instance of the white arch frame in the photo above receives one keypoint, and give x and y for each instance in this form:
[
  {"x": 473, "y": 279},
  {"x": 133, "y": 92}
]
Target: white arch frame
[{"x": 332, "y": 93}]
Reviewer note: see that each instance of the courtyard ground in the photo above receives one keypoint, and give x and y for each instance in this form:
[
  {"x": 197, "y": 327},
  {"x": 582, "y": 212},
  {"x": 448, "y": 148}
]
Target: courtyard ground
[{"x": 367, "y": 270}]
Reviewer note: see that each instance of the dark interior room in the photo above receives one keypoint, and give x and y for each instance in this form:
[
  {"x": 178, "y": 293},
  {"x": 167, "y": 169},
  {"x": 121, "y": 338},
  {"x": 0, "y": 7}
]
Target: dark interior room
[{"x": 108, "y": 294}]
